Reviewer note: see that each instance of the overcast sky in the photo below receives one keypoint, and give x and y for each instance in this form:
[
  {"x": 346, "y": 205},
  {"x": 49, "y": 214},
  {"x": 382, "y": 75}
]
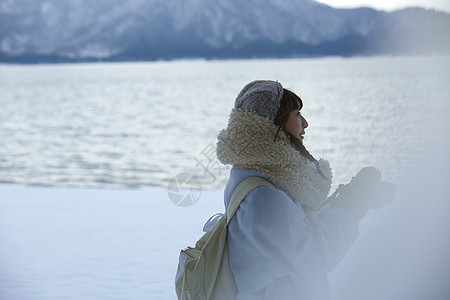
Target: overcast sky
[{"x": 390, "y": 4}]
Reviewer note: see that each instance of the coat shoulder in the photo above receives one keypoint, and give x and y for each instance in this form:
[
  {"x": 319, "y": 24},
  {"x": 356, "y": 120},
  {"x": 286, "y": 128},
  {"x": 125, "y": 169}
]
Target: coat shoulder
[{"x": 267, "y": 200}]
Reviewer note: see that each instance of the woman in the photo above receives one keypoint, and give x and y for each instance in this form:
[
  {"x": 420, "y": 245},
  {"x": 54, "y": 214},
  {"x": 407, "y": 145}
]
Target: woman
[{"x": 283, "y": 241}]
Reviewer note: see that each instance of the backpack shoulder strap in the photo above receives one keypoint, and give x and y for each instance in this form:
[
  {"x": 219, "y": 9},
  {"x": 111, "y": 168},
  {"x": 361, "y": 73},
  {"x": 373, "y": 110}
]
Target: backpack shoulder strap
[{"x": 242, "y": 190}]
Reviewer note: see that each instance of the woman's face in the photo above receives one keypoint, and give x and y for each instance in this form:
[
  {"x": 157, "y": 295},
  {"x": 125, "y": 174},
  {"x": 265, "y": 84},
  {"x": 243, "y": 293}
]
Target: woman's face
[{"x": 296, "y": 124}]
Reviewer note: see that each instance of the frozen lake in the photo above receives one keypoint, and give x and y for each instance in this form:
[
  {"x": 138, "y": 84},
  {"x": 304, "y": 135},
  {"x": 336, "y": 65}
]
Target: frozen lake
[{"x": 122, "y": 125}]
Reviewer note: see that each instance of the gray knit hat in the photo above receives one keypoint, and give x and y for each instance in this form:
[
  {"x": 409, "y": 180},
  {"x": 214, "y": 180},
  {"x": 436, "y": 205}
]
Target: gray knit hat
[{"x": 261, "y": 96}]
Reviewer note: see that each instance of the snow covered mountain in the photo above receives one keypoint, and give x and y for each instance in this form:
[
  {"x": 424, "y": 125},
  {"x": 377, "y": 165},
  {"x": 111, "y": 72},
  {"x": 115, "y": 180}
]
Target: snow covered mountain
[{"x": 69, "y": 30}]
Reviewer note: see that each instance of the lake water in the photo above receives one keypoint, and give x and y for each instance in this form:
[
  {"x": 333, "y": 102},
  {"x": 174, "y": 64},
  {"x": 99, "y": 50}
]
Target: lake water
[{"x": 137, "y": 125}]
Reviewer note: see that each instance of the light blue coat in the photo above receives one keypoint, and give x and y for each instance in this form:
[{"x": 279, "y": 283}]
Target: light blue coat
[{"x": 280, "y": 251}]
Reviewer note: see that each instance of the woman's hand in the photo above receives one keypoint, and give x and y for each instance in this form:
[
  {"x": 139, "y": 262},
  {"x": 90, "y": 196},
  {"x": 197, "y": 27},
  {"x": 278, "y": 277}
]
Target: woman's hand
[{"x": 365, "y": 191}]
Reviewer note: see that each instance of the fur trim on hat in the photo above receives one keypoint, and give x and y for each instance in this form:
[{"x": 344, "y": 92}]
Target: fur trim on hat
[{"x": 248, "y": 143}]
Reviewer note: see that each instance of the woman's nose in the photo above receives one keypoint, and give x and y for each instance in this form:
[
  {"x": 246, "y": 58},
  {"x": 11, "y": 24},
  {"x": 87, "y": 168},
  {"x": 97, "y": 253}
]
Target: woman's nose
[{"x": 304, "y": 122}]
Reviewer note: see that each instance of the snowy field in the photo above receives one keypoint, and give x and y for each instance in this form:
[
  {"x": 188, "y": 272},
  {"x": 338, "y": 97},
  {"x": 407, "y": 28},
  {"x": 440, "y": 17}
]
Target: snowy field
[{"x": 59, "y": 243}]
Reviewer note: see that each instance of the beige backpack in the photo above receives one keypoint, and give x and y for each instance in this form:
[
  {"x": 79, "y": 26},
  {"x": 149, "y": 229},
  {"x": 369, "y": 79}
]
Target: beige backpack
[{"x": 204, "y": 271}]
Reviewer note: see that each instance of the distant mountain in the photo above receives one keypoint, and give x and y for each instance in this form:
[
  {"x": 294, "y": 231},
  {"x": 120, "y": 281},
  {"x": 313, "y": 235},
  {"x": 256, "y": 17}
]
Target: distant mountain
[{"x": 123, "y": 30}]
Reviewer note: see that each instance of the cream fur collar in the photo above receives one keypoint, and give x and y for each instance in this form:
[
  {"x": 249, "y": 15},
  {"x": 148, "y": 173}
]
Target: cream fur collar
[{"x": 248, "y": 143}]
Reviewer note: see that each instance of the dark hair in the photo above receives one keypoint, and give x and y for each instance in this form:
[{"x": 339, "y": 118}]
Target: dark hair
[{"x": 290, "y": 101}]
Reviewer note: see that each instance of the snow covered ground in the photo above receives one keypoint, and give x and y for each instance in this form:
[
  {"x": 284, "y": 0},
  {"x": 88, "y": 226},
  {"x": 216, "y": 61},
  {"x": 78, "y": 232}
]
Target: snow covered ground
[
  {"x": 61, "y": 243},
  {"x": 58, "y": 243}
]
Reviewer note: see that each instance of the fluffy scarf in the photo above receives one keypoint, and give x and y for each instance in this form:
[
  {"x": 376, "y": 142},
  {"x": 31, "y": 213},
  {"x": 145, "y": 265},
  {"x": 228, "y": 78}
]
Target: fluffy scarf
[{"x": 248, "y": 143}]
